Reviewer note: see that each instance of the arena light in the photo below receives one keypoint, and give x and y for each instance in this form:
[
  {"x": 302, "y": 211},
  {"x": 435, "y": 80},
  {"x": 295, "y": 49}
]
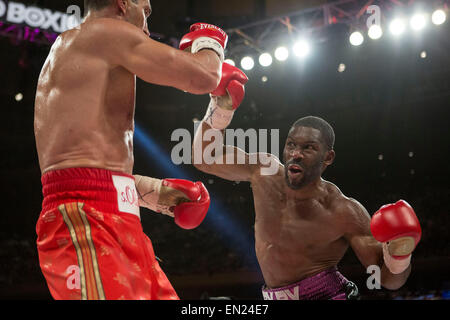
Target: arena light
[
  {"x": 418, "y": 22},
  {"x": 397, "y": 26},
  {"x": 439, "y": 17},
  {"x": 265, "y": 59},
  {"x": 19, "y": 97},
  {"x": 375, "y": 32},
  {"x": 229, "y": 61},
  {"x": 356, "y": 38},
  {"x": 247, "y": 63},
  {"x": 302, "y": 48},
  {"x": 281, "y": 53}
]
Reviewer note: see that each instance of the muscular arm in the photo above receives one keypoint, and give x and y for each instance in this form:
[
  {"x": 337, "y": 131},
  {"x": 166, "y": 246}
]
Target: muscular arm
[
  {"x": 240, "y": 165},
  {"x": 125, "y": 45},
  {"x": 368, "y": 250}
]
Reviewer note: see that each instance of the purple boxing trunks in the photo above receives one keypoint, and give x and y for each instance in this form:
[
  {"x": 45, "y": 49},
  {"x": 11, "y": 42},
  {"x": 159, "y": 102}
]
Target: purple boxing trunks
[{"x": 327, "y": 285}]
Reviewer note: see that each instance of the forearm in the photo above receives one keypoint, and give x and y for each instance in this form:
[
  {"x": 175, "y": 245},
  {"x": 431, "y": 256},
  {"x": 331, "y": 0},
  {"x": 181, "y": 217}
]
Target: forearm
[
  {"x": 215, "y": 158},
  {"x": 394, "y": 281},
  {"x": 204, "y": 71},
  {"x": 204, "y": 137}
]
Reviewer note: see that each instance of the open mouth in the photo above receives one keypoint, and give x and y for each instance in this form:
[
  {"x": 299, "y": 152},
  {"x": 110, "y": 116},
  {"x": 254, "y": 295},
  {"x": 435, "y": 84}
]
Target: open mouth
[{"x": 295, "y": 169}]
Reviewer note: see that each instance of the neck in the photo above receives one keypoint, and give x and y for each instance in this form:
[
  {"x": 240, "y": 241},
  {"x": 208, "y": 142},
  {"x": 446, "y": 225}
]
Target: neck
[
  {"x": 308, "y": 191},
  {"x": 104, "y": 13}
]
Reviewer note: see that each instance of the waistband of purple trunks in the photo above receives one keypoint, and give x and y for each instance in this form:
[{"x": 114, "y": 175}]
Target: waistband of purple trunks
[{"x": 326, "y": 285}]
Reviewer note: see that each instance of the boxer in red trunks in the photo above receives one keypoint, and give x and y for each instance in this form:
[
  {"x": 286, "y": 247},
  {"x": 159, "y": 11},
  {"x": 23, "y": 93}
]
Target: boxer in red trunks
[
  {"x": 304, "y": 224},
  {"x": 90, "y": 240}
]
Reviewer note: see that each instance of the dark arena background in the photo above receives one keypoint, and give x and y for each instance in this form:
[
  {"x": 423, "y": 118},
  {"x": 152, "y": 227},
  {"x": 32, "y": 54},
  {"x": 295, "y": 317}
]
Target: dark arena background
[{"x": 388, "y": 100}]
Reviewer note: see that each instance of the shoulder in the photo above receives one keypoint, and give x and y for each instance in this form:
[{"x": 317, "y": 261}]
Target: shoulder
[
  {"x": 108, "y": 26},
  {"x": 110, "y": 32},
  {"x": 349, "y": 210},
  {"x": 108, "y": 38}
]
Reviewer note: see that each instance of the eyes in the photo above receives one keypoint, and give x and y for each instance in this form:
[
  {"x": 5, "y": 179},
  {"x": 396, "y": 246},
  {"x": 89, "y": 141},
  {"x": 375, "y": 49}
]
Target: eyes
[{"x": 307, "y": 146}]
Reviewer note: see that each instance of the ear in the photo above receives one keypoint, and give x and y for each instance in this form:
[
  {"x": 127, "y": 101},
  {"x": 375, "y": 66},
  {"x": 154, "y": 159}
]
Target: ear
[
  {"x": 122, "y": 6},
  {"x": 329, "y": 158}
]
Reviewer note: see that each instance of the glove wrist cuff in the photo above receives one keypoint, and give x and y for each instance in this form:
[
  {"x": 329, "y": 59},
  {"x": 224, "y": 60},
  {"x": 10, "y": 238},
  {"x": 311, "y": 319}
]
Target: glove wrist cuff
[
  {"x": 149, "y": 190},
  {"x": 208, "y": 43},
  {"x": 217, "y": 117},
  {"x": 395, "y": 265}
]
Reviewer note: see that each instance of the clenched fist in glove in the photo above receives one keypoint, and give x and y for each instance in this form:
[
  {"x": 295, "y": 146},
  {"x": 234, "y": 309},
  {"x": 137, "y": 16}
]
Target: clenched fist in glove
[
  {"x": 226, "y": 98},
  {"x": 184, "y": 200},
  {"x": 397, "y": 227}
]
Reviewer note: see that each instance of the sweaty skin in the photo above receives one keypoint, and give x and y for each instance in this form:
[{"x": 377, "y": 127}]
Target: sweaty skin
[
  {"x": 85, "y": 99},
  {"x": 301, "y": 232}
]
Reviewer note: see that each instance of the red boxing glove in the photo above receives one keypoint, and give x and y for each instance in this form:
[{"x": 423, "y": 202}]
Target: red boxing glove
[
  {"x": 205, "y": 36},
  {"x": 226, "y": 98},
  {"x": 189, "y": 215},
  {"x": 232, "y": 84},
  {"x": 397, "y": 225}
]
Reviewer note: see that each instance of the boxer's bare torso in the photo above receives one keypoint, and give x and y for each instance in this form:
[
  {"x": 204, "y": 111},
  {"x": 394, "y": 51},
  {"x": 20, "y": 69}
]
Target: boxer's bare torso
[
  {"x": 298, "y": 232},
  {"x": 297, "y": 235},
  {"x": 84, "y": 112},
  {"x": 85, "y": 98}
]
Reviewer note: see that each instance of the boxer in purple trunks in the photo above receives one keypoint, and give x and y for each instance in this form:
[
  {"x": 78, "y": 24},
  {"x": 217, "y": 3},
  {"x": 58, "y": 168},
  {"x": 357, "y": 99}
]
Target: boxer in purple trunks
[{"x": 303, "y": 223}]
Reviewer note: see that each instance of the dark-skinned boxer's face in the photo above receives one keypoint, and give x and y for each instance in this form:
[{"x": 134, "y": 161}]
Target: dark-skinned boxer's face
[
  {"x": 136, "y": 12},
  {"x": 305, "y": 156}
]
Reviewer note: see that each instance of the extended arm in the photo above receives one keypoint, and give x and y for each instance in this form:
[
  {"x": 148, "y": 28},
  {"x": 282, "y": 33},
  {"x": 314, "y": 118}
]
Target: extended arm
[
  {"x": 210, "y": 154},
  {"x": 394, "y": 272},
  {"x": 125, "y": 45}
]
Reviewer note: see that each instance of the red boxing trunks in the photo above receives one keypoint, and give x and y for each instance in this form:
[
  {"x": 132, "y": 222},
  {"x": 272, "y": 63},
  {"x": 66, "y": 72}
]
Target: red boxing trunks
[{"x": 90, "y": 240}]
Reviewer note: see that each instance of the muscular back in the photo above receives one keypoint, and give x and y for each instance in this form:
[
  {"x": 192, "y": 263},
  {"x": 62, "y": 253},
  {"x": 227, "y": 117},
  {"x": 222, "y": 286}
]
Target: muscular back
[{"x": 84, "y": 106}]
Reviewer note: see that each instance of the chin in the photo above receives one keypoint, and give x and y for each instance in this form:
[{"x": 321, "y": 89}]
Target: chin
[{"x": 296, "y": 186}]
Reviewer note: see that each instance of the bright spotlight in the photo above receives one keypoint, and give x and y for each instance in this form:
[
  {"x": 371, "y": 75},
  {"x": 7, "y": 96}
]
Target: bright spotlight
[
  {"x": 281, "y": 53},
  {"x": 438, "y": 17},
  {"x": 19, "y": 97},
  {"x": 356, "y": 38},
  {"x": 397, "y": 27},
  {"x": 265, "y": 59},
  {"x": 229, "y": 61},
  {"x": 342, "y": 67},
  {"x": 247, "y": 63},
  {"x": 418, "y": 22},
  {"x": 375, "y": 32},
  {"x": 302, "y": 48}
]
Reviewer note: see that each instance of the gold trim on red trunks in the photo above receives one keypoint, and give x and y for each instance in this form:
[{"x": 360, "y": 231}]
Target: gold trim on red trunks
[{"x": 80, "y": 232}]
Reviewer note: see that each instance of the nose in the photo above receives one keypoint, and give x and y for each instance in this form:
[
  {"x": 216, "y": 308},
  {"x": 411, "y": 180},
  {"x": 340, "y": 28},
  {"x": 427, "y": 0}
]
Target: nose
[{"x": 296, "y": 154}]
